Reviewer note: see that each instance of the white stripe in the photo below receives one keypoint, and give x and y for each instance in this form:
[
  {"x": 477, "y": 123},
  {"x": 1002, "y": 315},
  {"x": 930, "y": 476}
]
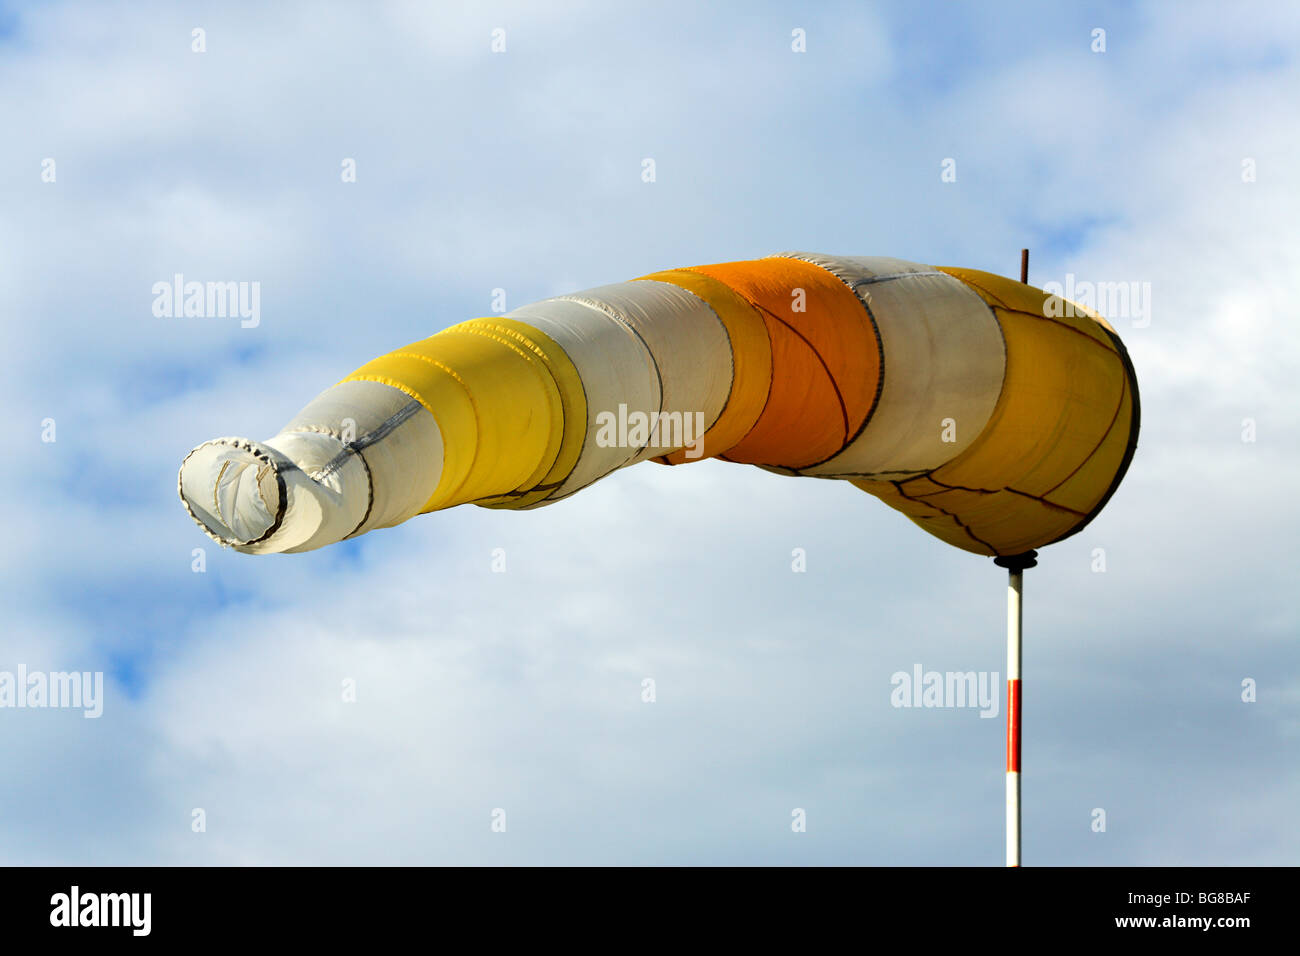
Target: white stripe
[
  {"x": 1013, "y": 818},
  {"x": 688, "y": 342},
  {"x": 405, "y": 464},
  {"x": 321, "y": 509},
  {"x": 615, "y": 367},
  {"x": 943, "y": 359}
]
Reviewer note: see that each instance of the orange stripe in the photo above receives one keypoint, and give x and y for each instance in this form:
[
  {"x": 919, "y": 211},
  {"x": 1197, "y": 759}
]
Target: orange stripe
[
  {"x": 825, "y": 360},
  {"x": 1013, "y": 726}
]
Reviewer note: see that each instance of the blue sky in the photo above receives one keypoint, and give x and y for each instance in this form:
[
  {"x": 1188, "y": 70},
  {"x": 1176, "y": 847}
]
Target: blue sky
[{"x": 521, "y": 170}]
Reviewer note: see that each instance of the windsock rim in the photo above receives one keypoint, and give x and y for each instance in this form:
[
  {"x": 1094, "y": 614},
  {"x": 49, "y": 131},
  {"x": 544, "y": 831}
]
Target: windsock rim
[{"x": 259, "y": 452}]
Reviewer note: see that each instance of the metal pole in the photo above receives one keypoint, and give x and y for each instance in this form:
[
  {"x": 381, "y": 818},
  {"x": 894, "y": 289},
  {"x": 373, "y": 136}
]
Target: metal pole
[{"x": 1015, "y": 565}]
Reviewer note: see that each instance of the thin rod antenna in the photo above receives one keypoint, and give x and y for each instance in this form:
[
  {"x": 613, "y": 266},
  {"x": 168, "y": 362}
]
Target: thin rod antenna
[{"x": 1024, "y": 266}]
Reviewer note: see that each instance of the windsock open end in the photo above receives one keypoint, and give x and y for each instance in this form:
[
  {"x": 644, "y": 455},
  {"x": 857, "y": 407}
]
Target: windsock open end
[
  {"x": 295, "y": 492},
  {"x": 233, "y": 489}
]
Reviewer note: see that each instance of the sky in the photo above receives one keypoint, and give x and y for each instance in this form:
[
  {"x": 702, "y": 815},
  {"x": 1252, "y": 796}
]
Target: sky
[{"x": 393, "y": 699}]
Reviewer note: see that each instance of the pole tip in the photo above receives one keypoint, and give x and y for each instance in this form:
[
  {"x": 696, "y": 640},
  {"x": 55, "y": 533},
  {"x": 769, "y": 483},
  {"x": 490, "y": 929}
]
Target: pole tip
[{"x": 1017, "y": 562}]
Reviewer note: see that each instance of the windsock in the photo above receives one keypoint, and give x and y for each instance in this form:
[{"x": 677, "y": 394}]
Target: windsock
[{"x": 993, "y": 415}]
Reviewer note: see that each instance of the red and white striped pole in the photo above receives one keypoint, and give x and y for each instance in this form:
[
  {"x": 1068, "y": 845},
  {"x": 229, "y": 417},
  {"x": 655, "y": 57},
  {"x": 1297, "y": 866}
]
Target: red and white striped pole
[
  {"x": 1015, "y": 564},
  {"x": 1014, "y": 622}
]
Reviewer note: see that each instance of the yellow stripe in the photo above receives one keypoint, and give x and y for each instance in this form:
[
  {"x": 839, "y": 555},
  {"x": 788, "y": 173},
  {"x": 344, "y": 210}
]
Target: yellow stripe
[
  {"x": 486, "y": 394},
  {"x": 1063, "y": 384},
  {"x": 572, "y": 426},
  {"x": 1079, "y": 491}
]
